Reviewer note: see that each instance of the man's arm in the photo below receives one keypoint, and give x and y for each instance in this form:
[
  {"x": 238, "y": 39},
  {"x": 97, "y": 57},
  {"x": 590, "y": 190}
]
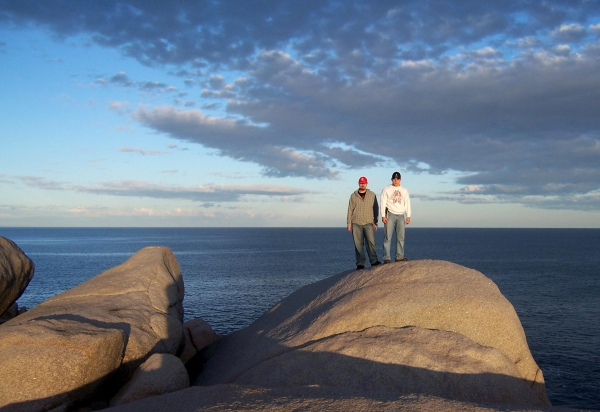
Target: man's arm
[
  {"x": 382, "y": 206},
  {"x": 375, "y": 210},
  {"x": 349, "y": 216},
  {"x": 407, "y": 208}
]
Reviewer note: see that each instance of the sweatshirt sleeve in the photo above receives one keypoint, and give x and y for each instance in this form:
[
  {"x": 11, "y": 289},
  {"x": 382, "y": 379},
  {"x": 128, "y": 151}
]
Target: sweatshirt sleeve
[
  {"x": 383, "y": 203},
  {"x": 407, "y": 206},
  {"x": 375, "y": 210},
  {"x": 349, "y": 217}
]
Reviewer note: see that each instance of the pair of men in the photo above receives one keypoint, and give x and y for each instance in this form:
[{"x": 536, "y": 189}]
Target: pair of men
[{"x": 363, "y": 215}]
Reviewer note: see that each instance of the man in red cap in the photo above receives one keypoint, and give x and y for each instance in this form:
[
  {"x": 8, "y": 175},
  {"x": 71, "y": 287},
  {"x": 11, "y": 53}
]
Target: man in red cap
[{"x": 363, "y": 214}]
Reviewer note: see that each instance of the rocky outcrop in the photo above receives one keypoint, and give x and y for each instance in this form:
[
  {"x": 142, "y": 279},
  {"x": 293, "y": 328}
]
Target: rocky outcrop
[
  {"x": 198, "y": 334},
  {"x": 427, "y": 327},
  {"x": 161, "y": 373},
  {"x": 422, "y": 335},
  {"x": 16, "y": 270},
  {"x": 62, "y": 351}
]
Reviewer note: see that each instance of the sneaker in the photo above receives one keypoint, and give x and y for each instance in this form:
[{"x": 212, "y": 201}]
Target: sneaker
[
  {"x": 387, "y": 261},
  {"x": 359, "y": 267},
  {"x": 402, "y": 259},
  {"x": 376, "y": 263}
]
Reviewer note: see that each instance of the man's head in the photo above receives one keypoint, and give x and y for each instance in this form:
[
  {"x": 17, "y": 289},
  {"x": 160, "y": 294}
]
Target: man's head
[
  {"x": 362, "y": 183},
  {"x": 396, "y": 178}
]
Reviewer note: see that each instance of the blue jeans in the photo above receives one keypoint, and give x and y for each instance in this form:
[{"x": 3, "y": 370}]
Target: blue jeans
[
  {"x": 364, "y": 234},
  {"x": 395, "y": 223}
]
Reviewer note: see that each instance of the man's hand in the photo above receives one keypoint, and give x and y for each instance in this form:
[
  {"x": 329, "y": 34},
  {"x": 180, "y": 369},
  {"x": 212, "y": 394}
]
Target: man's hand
[
  {"x": 375, "y": 227},
  {"x": 408, "y": 220},
  {"x": 384, "y": 220},
  {"x": 349, "y": 228}
]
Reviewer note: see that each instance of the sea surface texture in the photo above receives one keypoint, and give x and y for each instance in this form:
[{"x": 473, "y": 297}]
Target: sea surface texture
[{"x": 233, "y": 275}]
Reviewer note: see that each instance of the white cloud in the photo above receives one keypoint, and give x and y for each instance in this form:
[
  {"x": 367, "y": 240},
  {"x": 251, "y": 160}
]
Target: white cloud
[
  {"x": 570, "y": 32},
  {"x": 143, "y": 152}
]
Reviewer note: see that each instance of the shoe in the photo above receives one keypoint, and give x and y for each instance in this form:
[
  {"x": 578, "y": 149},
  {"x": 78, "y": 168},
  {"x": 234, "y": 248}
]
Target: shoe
[
  {"x": 359, "y": 267},
  {"x": 387, "y": 261},
  {"x": 376, "y": 263},
  {"x": 403, "y": 259}
]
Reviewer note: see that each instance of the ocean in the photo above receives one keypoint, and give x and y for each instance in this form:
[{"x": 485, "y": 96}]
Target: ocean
[{"x": 233, "y": 275}]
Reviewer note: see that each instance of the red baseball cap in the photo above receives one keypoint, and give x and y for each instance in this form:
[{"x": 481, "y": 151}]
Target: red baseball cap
[{"x": 362, "y": 180}]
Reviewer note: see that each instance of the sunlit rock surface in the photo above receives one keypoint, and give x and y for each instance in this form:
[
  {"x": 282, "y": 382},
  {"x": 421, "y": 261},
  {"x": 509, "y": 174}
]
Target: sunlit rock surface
[
  {"x": 63, "y": 350},
  {"x": 429, "y": 327}
]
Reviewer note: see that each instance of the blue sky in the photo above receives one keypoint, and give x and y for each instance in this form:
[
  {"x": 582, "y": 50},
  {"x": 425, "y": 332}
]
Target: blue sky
[{"x": 264, "y": 113}]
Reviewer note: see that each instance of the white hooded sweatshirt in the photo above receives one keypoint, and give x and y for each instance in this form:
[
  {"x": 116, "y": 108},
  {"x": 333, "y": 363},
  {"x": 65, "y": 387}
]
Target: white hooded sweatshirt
[{"x": 396, "y": 200}]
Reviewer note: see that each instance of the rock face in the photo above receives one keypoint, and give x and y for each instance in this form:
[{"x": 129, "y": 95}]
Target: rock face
[
  {"x": 161, "y": 373},
  {"x": 16, "y": 270},
  {"x": 63, "y": 350},
  {"x": 428, "y": 327}
]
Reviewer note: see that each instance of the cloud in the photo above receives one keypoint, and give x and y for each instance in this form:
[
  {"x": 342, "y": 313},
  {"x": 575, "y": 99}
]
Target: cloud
[
  {"x": 202, "y": 193},
  {"x": 352, "y": 158},
  {"x": 507, "y": 93},
  {"x": 589, "y": 202},
  {"x": 539, "y": 113},
  {"x": 122, "y": 79},
  {"x": 227, "y": 32},
  {"x": 114, "y": 105},
  {"x": 152, "y": 86},
  {"x": 143, "y": 152},
  {"x": 119, "y": 107},
  {"x": 294, "y": 199},
  {"x": 237, "y": 139},
  {"x": 570, "y": 32},
  {"x": 207, "y": 193},
  {"x": 41, "y": 183}
]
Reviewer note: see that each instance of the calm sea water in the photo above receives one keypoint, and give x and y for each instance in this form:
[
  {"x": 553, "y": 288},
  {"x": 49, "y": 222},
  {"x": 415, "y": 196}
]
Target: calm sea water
[{"x": 232, "y": 276}]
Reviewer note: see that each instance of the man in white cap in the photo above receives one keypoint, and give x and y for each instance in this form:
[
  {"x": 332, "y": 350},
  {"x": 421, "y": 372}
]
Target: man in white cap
[
  {"x": 363, "y": 215},
  {"x": 395, "y": 213}
]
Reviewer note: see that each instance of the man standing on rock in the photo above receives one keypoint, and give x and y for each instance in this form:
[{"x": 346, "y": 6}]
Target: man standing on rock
[
  {"x": 363, "y": 214},
  {"x": 395, "y": 213}
]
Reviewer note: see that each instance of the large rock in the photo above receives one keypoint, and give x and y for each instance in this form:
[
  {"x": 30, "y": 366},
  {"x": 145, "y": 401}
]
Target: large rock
[
  {"x": 55, "y": 361},
  {"x": 16, "y": 270},
  {"x": 198, "y": 334},
  {"x": 161, "y": 373},
  {"x": 428, "y": 327},
  {"x": 62, "y": 350}
]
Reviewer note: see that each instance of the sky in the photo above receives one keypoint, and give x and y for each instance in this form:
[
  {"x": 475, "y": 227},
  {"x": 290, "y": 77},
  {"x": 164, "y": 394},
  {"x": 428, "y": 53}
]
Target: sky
[{"x": 265, "y": 113}]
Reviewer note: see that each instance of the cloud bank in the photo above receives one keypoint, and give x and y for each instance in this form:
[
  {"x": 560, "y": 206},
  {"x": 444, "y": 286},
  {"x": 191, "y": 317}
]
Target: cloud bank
[
  {"x": 506, "y": 93},
  {"x": 199, "y": 193}
]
